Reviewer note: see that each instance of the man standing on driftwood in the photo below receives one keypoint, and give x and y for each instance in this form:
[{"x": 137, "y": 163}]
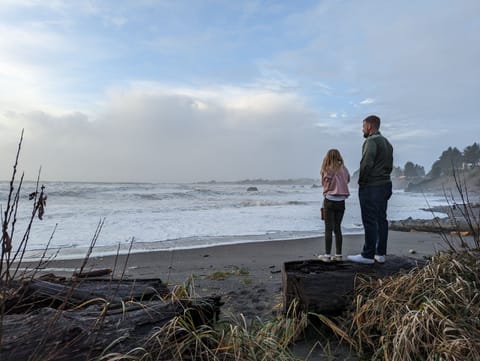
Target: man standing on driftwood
[{"x": 374, "y": 191}]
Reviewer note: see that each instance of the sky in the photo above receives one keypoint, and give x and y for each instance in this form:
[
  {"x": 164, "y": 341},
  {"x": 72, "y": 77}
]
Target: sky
[{"x": 199, "y": 90}]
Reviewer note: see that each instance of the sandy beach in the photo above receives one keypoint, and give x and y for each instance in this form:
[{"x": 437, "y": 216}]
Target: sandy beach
[{"x": 247, "y": 276}]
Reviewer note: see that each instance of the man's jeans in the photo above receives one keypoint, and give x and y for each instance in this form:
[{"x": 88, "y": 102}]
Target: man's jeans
[{"x": 373, "y": 205}]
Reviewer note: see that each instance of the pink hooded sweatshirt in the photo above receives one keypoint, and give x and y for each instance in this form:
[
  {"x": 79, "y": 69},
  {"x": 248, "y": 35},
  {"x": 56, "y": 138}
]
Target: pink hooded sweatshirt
[{"x": 336, "y": 184}]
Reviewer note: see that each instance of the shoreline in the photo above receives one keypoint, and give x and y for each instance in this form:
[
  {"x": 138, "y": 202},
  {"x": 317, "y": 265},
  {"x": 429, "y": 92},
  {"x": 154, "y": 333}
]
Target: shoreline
[
  {"x": 75, "y": 253},
  {"x": 197, "y": 243}
]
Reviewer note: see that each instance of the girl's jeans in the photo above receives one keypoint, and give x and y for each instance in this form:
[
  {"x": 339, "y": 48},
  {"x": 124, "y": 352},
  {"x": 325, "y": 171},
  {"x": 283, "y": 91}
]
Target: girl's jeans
[{"x": 333, "y": 214}]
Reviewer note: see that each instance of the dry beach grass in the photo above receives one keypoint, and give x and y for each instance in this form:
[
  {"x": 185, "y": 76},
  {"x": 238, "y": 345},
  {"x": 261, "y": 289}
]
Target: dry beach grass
[{"x": 432, "y": 313}]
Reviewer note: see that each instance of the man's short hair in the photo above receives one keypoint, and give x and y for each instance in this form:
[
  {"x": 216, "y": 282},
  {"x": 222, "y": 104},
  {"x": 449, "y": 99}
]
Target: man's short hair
[{"x": 373, "y": 120}]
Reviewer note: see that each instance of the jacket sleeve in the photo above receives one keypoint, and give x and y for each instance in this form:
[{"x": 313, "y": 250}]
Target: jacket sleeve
[
  {"x": 369, "y": 151},
  {"x": 326, "y": 180}
]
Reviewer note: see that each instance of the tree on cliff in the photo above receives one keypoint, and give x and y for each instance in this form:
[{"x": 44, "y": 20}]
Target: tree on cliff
[
  {"x": 471, "y": 154},
  {"x": 450, "y": 159},
  {"x": 413, "y": 170}
]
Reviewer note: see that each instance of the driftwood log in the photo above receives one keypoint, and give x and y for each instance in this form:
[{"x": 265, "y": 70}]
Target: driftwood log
[
  {"x": 71, "y": 320},
  {"x": 79, "y": 335},
  {"x": 437, "y": 225},
  {"x": 51, "y": 292},
  {"x": 327, "y": 288},
  {"x": 93, "y": 273}
]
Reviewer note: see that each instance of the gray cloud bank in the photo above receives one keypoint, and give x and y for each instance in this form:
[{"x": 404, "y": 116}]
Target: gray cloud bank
[
  {"x": 151, "y": 133},
  {"x": 161, "y": 136}
]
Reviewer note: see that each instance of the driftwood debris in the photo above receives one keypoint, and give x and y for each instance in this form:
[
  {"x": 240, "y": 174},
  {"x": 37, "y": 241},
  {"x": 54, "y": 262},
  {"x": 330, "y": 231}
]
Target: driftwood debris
[
  {"x": 450, "y": 224},
  {"x": 327, "y": 288},
  {"x": 53, "y": 334},
  {"x": 73, "y": 320},
  {"x": 73, "y": 293},
  {"x": 93, "y": 273}
]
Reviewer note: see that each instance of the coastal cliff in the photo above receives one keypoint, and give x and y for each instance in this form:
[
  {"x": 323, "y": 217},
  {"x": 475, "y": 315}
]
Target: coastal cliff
[
  {"x": 468, "y": 179},
  {"x": 461, "y": 192}
]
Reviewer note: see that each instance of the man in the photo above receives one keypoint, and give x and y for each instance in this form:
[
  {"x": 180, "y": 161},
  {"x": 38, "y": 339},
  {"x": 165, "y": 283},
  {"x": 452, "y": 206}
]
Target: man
[{"x": 374, "y": 191}]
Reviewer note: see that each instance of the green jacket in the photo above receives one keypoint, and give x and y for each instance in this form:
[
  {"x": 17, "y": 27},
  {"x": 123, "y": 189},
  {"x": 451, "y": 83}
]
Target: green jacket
[{"x": 377, "y": 161}]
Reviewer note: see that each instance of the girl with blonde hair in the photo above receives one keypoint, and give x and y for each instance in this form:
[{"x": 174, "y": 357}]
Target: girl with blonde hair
[{"x": 335, "y": 178}]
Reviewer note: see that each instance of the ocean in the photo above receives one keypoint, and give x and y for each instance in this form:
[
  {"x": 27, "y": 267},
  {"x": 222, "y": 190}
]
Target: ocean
[{"x": 160, "y": 216}]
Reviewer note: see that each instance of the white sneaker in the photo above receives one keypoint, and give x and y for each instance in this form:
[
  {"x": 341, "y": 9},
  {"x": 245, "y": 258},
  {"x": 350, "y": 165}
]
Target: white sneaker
[
  {"x": 358, "y": 258},
  {"x": 325, "y": 257},
  {"x": 337, "y": 257},
  {"x": 380, "y": 259}
]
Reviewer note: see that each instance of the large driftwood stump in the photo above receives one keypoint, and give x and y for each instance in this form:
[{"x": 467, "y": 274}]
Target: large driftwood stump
[{"x": 327, "y": 288}]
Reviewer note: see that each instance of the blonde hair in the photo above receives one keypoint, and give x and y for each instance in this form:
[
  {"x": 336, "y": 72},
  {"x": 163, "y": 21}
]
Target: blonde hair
[{"x": 332, "y": 162}]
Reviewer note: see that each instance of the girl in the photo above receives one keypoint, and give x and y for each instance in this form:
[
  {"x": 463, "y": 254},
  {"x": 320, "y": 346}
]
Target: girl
[{"x": 335, "y": 178}]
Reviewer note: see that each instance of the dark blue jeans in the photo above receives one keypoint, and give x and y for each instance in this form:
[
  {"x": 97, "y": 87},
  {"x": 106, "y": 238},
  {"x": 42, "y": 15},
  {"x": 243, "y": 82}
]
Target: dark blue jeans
[{"x": 373, "y": 205}]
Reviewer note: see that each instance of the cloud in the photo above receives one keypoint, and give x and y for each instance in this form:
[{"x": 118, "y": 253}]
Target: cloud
[
  {"x": 156, "y": 133},
  {"x": 26, "y": 74},
  {"x": 367, "y": 101},
  {"x": 404, "y": 55}
]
